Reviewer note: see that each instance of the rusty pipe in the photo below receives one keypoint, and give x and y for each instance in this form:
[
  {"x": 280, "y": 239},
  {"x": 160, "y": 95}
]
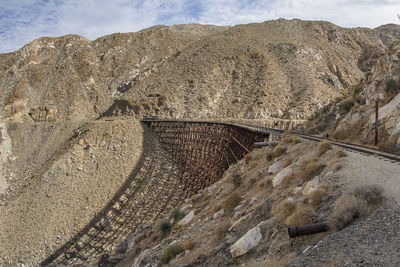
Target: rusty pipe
[{"x": 308, "y": 229}]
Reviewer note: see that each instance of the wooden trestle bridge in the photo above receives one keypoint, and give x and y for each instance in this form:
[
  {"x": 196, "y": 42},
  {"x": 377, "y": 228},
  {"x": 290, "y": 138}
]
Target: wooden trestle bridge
[{"x": 178, "y": 159}]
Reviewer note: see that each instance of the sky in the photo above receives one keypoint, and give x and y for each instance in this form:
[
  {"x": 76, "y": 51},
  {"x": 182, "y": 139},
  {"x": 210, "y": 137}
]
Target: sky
[{"x": 22, "y": 21}]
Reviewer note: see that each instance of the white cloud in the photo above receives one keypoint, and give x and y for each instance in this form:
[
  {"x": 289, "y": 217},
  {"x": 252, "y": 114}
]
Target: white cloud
[{"x": 22, "y": 21}]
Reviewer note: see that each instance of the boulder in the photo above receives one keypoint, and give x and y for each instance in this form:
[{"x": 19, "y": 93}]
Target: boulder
[
  {"x": 310, "y": 186},
  {"x": 250, "y": 240},
  {"x": 277, "y": 180},
  {"x": 186, "y": 219},
  {"x": 275, "y": 168}
]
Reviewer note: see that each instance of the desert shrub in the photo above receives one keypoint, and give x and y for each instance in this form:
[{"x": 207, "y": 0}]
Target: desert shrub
[
  {"x": 165, "y": 227},
  {"x": 288, "y": 138},
  {"x": 346, "y": 105},
  {"x": 278, "y": 151},
  {"x": 361, "y": 100},
  {"x": 317, "y": 194},
  {"x": 283, "y": 209},
  {"x": 170, "y": 253},
  {"x": 269, "y": 156},
  {"x": 342, "y": 134},
  {"x": 302, "y": 215},
  {"x": 247, "y": 158},
  {"x": 177, "y": 214},
  {"x": 347, "y": 208},
  {"x": 231, "y": 202},
  {"x": 372, "y": 194},
  {"x": 388, "y": 145},
  {"x": 323, "y": 147},
  {"x": 252, "y": 164},
  {"x": 392, "y": 86},
  {"x": 188, "y": 245},
  {"x": 340, "y": 153},
  {"x": 310, "y": 170},
  {"x": 236, "y": 180},
  {"x": 222, "y": 228},
  {"x": 216, "y": 208},
  {"x": 356, "y": 89},
  {"x": 287, "y": 162}
]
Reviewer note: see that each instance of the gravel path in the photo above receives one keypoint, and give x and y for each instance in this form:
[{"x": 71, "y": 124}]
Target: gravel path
[{"x": 372, "y": 241}]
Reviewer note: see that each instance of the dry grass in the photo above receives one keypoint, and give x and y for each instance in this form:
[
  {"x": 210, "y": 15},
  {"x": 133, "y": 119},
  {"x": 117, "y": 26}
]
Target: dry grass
[
  {"x": 288, "y": 138},
  {"x": 302, "y": 215},
  {"x": 310, "y": 170},
  {"x": 278, "y": 151},
  {"x": 247, "y": 158},
  {"x": 340, "y": 153},
  {"x": 252, "y": 164},
  {"x": 388, "y": 145},
  {"x": 231, "y": 202},
  {"x": 222, "y": 229},
  {"x": 188, "y": 244},
  {"x": 283, "y": 209},
  {"x": 372, "y": 194},
  {"x": 236, "y": 180},
  {"x": 347, "y": 208},
  {"x": 171, "y": 252},
  {"x": 317, "y": 194},
  {"x": 216, "y": 208},
  {"x": 287, "y": 162},
  {"x": 323, "y": 147}
]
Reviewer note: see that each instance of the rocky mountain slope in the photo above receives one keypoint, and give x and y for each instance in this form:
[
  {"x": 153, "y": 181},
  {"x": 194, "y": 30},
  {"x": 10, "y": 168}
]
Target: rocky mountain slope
[{"x": 275, "y": 68}]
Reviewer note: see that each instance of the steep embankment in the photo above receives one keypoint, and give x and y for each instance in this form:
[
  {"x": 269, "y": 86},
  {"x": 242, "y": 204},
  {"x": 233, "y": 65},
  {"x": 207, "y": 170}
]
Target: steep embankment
[{"x": 65, "y": 192}]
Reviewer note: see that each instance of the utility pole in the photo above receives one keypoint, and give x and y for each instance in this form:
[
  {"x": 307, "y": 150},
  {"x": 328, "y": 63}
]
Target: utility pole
[{"x": 376, "y": 120}]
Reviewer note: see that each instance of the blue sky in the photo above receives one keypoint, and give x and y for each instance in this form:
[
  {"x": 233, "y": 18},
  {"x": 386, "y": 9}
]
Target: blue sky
[{"x": 22, "y": 21}]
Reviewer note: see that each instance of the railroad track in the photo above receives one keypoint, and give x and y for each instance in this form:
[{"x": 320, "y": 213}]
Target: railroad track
[{"x": 394, "y": 157}]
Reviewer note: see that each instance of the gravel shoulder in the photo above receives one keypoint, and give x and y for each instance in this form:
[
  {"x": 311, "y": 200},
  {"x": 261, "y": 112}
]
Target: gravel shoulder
[{"x": 371, "y": 241}]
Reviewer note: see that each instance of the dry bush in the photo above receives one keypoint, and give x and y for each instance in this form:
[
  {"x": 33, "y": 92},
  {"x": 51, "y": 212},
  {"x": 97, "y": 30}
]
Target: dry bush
[
  {"x": 340, "y": 153},
  {"x": 170, "y": 253},
  {"x": 283, "y": 209},
  {"x": 188, "y": 244},
  {"x": 216, "y": 208},
  {"x": 165, "y": 227},
  {"x": 372, "y": 194},
  {"x": 323, "y": 147},
  {"x": 269, "y": 156},
  {"x": 317, "y": 194},
  {"x": 177, "y": 215},
  {"x": 288, "y": 138},
  {"x": 252, "y": 164},
  {"x": 257, "y": 154},
  {"x": 302, "y": 215},
  {"x": 287, "y": 162},
  {"x": 310, "y": 170},
  {"x": 288, "y": 179},
  {"x": 247, "y": 158},
  {"x": 231, "y": 202},
  {"x": 236, "y": 180},
  {"x": 347, "y": 208},
  {"x": 388, "y": 145},
  {"x": 222, "y": 228},
  {"x": 342, "y": 134},
  {"x": 278, "y": 151}
]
